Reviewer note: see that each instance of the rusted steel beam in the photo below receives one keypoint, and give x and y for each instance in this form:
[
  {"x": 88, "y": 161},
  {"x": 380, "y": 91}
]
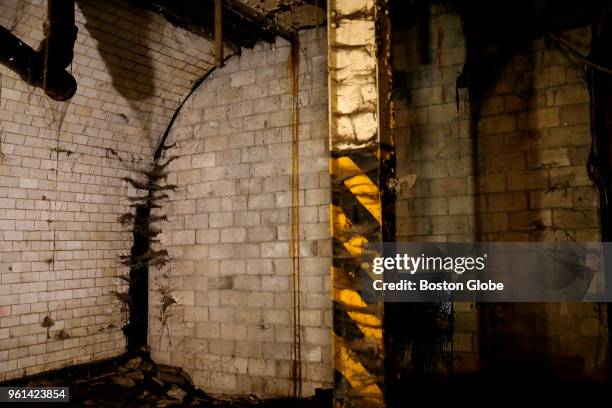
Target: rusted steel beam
[
  {"x": 242, "y": 25},
  {"x": 219, "y": 33},
  {"x": 267, "y": 21}
]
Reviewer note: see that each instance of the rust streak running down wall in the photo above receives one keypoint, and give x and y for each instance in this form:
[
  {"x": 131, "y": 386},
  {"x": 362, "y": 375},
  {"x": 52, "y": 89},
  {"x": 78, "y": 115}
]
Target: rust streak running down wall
[{"x": 294, "y": 242}]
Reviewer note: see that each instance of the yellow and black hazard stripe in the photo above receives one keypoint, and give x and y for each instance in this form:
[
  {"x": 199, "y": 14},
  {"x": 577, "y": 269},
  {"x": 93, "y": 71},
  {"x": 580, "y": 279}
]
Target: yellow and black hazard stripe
[{"x": 356, "y": 219}]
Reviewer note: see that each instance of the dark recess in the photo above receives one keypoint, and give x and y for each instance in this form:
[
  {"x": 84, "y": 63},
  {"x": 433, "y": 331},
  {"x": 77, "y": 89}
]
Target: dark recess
[{"x": 137, "y": 328}]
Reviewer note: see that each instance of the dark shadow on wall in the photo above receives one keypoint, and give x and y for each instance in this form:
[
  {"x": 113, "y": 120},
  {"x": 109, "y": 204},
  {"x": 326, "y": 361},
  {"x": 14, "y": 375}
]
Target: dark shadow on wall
[
  {"x": 503, "y": 138},
  {"x": 417, "y": 335},
  {"x": 513, "y": 338},
  {"x": 123, "y": 48},
  {"x": 516, "y": 339},
  {"x": 121, "y": 32}
]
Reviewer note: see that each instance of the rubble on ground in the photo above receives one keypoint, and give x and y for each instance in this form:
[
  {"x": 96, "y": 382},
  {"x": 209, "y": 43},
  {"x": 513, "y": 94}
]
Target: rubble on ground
[{"x": 140, "y": 383}]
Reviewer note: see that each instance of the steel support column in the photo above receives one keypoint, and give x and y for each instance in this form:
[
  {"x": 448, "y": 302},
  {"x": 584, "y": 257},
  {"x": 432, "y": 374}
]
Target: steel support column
[{"x": 359, "y": 132}]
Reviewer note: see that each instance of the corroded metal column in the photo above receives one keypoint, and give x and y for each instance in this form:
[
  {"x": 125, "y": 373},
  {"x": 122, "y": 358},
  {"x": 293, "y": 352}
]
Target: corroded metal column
[
  {"x": 359, "y": 125},
  {"x": 219, "y": 33}
]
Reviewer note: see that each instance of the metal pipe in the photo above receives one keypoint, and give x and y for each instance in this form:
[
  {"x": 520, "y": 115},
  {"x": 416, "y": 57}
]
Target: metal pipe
[
  {"x": 46, "y": 67},
  {"x": 20, "y": 58},
  {"x": 58, "y": 45}
]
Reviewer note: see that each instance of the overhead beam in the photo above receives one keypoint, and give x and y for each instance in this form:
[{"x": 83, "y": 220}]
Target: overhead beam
[
  {"x": 266, "y": 20},
  {"x": 242, "y": 25}
]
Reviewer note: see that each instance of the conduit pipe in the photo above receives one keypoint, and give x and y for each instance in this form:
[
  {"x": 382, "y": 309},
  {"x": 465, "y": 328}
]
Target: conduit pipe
[{"x": 45, "y": 68}]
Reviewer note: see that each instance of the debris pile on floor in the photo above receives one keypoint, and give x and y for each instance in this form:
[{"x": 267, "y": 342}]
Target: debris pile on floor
[{"x": 140, "y": 383}]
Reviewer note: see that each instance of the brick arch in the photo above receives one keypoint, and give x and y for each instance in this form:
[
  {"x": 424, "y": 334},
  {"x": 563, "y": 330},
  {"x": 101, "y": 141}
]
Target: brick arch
[{"x": 228, "y": 226}]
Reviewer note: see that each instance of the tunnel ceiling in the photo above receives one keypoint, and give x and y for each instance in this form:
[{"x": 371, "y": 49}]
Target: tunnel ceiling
[
  {"x": 244, "y": 21},
  {"x": 292, "y": 13}
]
